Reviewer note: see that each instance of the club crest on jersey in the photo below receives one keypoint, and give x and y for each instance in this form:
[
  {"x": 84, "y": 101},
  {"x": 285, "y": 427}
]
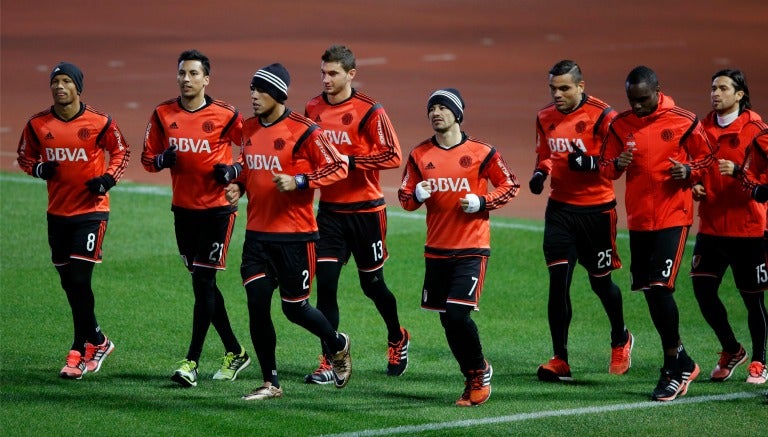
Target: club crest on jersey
[
  {"x": 449, "y": 184},
  {"x": 65, "y": 154},
  {"x": 189, "y": 145},
  {"x": 263, "y": 162},
  {"x": 337, "y": 138},
  {"x": 84, "y": 133},
  {"x": 208, "y": 126},
  {"x": 563, "y": 145},
  {"x": 465, "y": 161}
]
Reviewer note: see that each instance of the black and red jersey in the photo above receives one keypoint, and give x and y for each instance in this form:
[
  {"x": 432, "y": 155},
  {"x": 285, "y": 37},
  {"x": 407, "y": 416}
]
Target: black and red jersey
[
  {"x": 557, "y": 133},
  {"x": 359, "y": 128},
  {"x": 78, "y": 145},
  {"x": 202, "y": 138},
  {"x": 291, "y": 145},
  {"x": 453, "y": 173}
]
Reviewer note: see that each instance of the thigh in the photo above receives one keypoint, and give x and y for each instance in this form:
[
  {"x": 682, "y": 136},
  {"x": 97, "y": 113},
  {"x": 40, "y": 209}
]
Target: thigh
[
  {"x": 434, "y": 292},
  {"x": 367, "y": 239},
  {"x": 295, "y": 267},
  {"x": 656, "y": 257},
  {"x": 467, "y": 281},
  {"x": 76, "y": 238},
  {"x": 559, "y": 244},
  {"x": 748, "y": 264},
  {"x": 203, "y": 237},
  {"x": 596, "y": 242},
  {"x": 709, "y": 257}
]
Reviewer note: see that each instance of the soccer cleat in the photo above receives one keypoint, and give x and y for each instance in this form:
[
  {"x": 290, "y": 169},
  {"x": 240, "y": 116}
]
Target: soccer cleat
[
  {"x": 621, "y": 356},
  {"x": 480, "y": 384},
  {"x": 266, "y": 391},
  {"x": 342, "y": 364},
  {"x": 186, "y": 375},
  {"x": 232, "y": 365},
  {"x": 758, "y": 373},
  {"x": 323, "y": 374},
  {"x": 75, "y": 367},
  {"x": 555, "y": 370},
  {"x": 464, "y": 400},
  {"x": 672, "y": 384},
  {"x": 96, "y": 354},
  {"x": 727, "y": 363},
  {"x": 398, "y": 355}
]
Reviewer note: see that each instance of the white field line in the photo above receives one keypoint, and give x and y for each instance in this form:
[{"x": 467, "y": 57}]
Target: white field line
[{"x": 436, "y": 426}]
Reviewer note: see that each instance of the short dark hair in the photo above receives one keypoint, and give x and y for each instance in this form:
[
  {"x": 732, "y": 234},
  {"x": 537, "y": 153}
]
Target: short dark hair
[
  {"x": 739, "y": 84},
  {"x": 341, "y": 54},
  {"x": 195, "y": 55},
  {"x": 642, "y": 74},
  {"x": 566, "y": 66}
]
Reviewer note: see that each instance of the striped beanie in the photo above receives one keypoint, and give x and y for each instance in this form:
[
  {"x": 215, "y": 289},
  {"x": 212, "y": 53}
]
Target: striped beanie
[
  {"x": 274, "y": 80},
  {"x": 450, "y": 98}
]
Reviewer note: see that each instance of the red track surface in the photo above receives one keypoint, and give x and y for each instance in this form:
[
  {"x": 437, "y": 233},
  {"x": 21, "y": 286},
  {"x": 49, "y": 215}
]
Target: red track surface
[{"x": 496, "y": 53}]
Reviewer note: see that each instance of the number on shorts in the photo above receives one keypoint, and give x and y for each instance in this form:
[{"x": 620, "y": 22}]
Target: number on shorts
[
  {"x": 604, "y": 258},
  {"x": 666, "y": 273},
  {"x": 474, "y": 286},
  {"x": 762, "y": 274},
  {"x": 90, "y": 242},
  {"x": 305, "y": 282},
  {"x": 378, "y": 250},
  {"x": 215, "y": 255}
]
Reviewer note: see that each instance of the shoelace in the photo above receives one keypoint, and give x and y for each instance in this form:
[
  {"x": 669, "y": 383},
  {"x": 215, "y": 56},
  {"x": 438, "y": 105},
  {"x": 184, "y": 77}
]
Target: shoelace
[
  {"x": 756, "y": 368},
  {"x": 325, "y": 365},
  {"x": 228, "y": 359}
]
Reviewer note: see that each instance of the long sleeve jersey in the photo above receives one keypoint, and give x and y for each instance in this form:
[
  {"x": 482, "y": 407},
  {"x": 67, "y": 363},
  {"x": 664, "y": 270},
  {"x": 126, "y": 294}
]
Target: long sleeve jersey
[
  {"x": 291, "y": 145},
  {"x": 78, "y": 145},
  {"x": 728, "y": 210},
  {"x": 359, "y": 128},
  {"x": 653, "y": 199},
  {"x": 202, "y": 138},
  {"x": 556, "y": 133},
  {"x": 755, "y": 167},
  {"x": 453, "y": 173}
]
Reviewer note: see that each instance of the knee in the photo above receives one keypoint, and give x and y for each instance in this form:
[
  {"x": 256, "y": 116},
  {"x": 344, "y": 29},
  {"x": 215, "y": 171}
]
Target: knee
[
  {"x": 294, "y": 311},
  {"x": 454, "y": 316},
  {"x": 373, "y": 284}
]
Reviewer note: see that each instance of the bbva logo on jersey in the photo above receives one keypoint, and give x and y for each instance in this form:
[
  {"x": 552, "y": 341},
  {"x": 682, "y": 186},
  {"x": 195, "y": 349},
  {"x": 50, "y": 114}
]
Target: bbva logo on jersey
[
  {"x": 65, "y": 154},
  {"x": 336, "y": 137},
  {"x": 189, "y": 145},
  {"x": 263, "y": 162},
  {"x": 565, "y": 144},
  {"x": 449, "y": 184}
]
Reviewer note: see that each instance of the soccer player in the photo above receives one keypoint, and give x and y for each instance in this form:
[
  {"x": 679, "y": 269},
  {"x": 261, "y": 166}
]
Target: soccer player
[
  {"x": 580, "y": 220},
  {"x": 731, "y": 228},
  {"x": 285, "y": 157},
  {"x": 66, "y": 145},
  {"x": 352, "y": 216},
  {"x": 192, "y": 136},
  {"x": 449, "y": 173},
  {"x": 662, "y": 149}
]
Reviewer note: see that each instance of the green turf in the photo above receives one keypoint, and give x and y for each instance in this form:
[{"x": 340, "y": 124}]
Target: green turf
[{"x": 144, "y": 303}]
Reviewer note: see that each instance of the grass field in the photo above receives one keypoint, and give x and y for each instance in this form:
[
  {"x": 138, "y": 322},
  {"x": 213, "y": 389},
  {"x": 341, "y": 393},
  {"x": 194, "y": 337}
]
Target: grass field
[{"x": 144, "y": 303}]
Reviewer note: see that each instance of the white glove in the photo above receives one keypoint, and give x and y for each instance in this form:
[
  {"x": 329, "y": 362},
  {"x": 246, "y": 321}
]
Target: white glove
[
  {"x": 421, "y": 193},
  {"x": 473, "y": 203}
]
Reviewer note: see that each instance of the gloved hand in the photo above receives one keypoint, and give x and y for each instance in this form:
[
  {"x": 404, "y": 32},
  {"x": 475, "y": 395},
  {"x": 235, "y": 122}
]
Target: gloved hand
[
  {"x": 167, "y": 159},
  {"x": 45, "y": 170},
  {"x": 760, "y": 193},
  {"x": 536, "y": 183},
  {"x": 101, "y": 184},
  {"x": 422, "y": 193},
  {"x": 225, "y": 174},
  {"x": 471, "y": 203},
  {"x": 579, "y": 161}
]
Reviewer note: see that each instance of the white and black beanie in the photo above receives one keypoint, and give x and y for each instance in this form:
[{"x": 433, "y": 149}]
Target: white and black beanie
[
  {"x": 70, "y": 70},
  {"x": 450, "y": 98},
  {"x": 274, "y": 80}
]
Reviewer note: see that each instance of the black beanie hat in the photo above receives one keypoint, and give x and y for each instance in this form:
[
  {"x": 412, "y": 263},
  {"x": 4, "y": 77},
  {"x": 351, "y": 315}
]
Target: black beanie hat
[
  {"x": 450, "y": 98},
  {"x": 274, "y": 80},
  {"x": 70, "y": 70}
]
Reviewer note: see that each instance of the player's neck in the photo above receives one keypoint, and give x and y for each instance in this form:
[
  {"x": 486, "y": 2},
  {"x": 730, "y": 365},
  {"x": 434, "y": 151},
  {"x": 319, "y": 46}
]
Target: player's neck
[
  {"x": 450, "y": 138},
  {"x": 193, "y": 103},
  {"x": 340, "y": 96},
  {"x": 66, "y": 112}
]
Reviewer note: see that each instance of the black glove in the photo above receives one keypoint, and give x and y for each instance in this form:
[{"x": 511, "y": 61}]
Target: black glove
[
  {"x": 760, "y": 193},
  {"x": 45, "y": 170},
  {"x": 537, "y": 182},
  {"x": 167, "y": 159},
  {"x": 101, "y": 184},
  {"x": 225, "y": 174},
  {"x": 578, "y": 161}
]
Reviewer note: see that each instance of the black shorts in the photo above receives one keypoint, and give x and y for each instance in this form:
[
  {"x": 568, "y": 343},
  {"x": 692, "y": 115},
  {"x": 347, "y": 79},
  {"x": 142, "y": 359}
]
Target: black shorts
[
  {"x": 79, "y": 237},
  {"x": 656, "y": 257},
  {"x": 746, "y": 256},
  {"x": 589, "y": 238},
  {"x": 203, "y": 236},
  {"x": 361, "y": 234},
  {"x": 456, "y": 280},
  {"x": 288, "y": 265}
]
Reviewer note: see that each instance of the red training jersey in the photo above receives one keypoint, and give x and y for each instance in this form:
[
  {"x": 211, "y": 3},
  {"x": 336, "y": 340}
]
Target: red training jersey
[
  {"x": 202, "y": 138},
  {"x": 453, "y": 173},
  {"x": 291, "y": 145},
  {"x": 755, "y": 167},
  {"x": 728, "y": 209},
  {"x": 556, "y": 133},
  {"x": 78, "y": 145},
  {"x": 653, "y": 199},
  {"x": 359, "y": 128}
]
